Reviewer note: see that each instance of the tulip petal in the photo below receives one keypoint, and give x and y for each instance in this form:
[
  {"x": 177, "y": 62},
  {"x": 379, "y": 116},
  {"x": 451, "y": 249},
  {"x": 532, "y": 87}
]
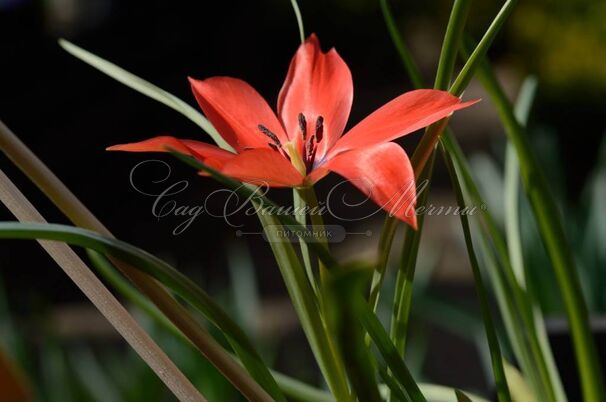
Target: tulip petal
[
  {"x": 317, "y": 84},
  {"x": 383, "y": 172},
  {"x": 236, "y": 110},
  {"x": 263, "y": 167},
  {"x": 206, "y": 153},
  {"x": 403, "y": 115}
]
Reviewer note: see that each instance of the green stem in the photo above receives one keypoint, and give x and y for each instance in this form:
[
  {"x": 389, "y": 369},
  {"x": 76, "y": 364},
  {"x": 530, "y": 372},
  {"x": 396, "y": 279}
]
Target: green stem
[
  {"x": 300, "y": 205},
  {"x": 309, "y": 197},
  {"x": 385, "y": 241},
  {"x": 554, "y": 237},
  {"x": 451, "y": 43},
  {"x": 306, "y": 305},
  {"x": 406, "y": 270}
]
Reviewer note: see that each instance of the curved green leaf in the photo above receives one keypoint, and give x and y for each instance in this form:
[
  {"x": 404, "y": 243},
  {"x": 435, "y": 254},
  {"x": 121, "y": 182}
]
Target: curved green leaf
[{"x": 164, "y": 273}]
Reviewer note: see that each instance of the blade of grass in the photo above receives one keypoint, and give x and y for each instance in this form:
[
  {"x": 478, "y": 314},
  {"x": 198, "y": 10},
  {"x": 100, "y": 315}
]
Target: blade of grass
[
  {"x": 297, "y": 11},
  {"x": 554, "y": 237},
  {"x": 450, "y": 45},
  {"x": 144, "y": 87},
  {"x": 102, "y": 298},
  {"x": 395, "y": 390},
  {"x": 512, "y": 228},
  {"x": 308, "y": 310},
  {"x": 491, "y": 335},
  {"x": 453, "y": 149},
  {"x": 342, "y": 287},
  {"x": 394, "y": 361},
  {"x": 514, "y": 302},
  {"x": 405, "y": 57},
  {"x": 402, "y": 302}
]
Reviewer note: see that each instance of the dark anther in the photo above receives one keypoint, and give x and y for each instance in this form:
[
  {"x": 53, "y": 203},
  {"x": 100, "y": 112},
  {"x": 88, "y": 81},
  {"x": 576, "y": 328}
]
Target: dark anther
[
  {"x": 271, "y": 135},
  {"x": 319, "y": 128},
  {"x": 303, "y": 125},
  {"x": 273, "y": 146}
]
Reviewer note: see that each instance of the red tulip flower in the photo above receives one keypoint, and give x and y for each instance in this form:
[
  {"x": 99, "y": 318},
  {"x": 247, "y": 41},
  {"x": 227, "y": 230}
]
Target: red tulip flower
[{"x": 305, "y": 140}]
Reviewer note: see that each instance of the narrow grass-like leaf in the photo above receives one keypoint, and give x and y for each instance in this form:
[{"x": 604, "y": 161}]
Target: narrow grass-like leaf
[
  {"x": 342, "y": 288},
  {"x": 308, "y": 310},
  {"x": 161, "y": 271},
  {"x": 144, "y": 87},
  {"x": 297, "y": 10},
  {"x": 501, "y": 281},
  {"x": 451, "y": 43},
  {"x": 512, "y": 184},
  {"x": 388, "y": 233},
  {"x": 388, "y": 350},
  {"x": 402, "y": 302},
  {"x": 491, "y": 335},
  {"x": 77, "y": 212},
  {"x": 291, "y": 387},
  {"x": 395, "y": 390},
  {"x": 554, "y": 237},
  {"x": 405, "y": 57},
  {"x": 102, "y": 298}
]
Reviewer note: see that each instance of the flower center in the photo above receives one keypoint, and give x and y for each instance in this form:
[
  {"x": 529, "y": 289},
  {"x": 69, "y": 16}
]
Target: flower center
[
  {"x": 310, "y": 144},
  {"x": 303, "y": 159}
]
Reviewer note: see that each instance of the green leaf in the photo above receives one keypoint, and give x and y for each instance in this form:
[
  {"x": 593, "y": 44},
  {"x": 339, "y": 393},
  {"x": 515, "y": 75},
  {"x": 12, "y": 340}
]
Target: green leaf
[
  {"x": 344, "y": 286},
  {"x": 491, "y": 335},
  {"x": 164, "y": 273},
  {"x": 554, "y": 238},
  {"x": 402, "y": 302},
  {"x": 146, "y": 88},
  {"x": 307, "y": 308},
  {"x": 395, "y": 390},
  {"x": 295, "y": 7},
  {"x": 390, "y": 354}
]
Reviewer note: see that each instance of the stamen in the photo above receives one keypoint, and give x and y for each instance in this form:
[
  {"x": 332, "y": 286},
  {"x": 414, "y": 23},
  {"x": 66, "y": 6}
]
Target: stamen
[
  {"x": 303, "y": 125},
  {"x": 319, "y": 128},
  {"x": 271, "y": 135}
]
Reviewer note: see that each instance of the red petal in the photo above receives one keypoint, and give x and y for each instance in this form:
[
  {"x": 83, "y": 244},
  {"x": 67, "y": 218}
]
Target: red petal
[
  {"x": 382, "y": 172},
  {"x": 403, "y": 115},
  {"x": 207, "y": 153},
  {"x": 236, "y": 110},
  {"x": 263, "y": 167},
  {"x": 317, "y": 84}
]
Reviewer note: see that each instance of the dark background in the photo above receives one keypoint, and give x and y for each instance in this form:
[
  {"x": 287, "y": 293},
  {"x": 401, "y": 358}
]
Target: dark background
[{"x": 68, "y": 112}]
